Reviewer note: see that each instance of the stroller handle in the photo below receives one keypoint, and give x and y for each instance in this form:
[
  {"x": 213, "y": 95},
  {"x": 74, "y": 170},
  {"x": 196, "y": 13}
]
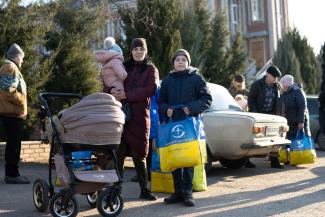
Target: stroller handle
[{"x": 42, "y": 96}]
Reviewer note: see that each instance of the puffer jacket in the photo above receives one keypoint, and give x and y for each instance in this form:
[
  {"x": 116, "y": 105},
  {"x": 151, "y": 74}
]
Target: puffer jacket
[
  {"x": 113, "y": 72},
  {"x": 13, "y": 93},
  {"x": 186, "y": 88},
  {"x": 293, "y": 106}
]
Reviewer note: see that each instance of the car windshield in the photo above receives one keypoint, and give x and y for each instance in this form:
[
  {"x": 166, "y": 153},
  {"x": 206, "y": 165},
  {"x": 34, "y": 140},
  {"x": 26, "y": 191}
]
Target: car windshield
[{"x": 221, "y": 99}]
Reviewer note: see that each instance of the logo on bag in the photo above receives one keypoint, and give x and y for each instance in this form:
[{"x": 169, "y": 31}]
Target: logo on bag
[{"x": 178, "y": 131}]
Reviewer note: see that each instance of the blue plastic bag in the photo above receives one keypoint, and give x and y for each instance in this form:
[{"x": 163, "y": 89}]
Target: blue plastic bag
[
  {"x": 181, "y": 144},
  {"x": 302, "y": 149}
]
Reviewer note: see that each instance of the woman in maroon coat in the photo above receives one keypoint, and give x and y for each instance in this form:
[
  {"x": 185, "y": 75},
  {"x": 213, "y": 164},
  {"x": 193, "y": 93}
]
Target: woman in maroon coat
[{"x": 139, "y": 86}]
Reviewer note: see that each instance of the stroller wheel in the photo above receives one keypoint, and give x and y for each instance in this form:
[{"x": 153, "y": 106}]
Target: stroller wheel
[
  {"x": 107, "y": 206},
  {"x": 92, "y": 198},
  {"x": 61, "y": 208},
  {"x": 41, "y": 195}
]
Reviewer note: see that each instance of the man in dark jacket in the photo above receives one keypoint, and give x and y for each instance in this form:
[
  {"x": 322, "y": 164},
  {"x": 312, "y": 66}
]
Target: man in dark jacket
[
  {"x": 264, "y": 93},
  {"x": 183, "y": 86},
  {"x": 264, "y": 97}
]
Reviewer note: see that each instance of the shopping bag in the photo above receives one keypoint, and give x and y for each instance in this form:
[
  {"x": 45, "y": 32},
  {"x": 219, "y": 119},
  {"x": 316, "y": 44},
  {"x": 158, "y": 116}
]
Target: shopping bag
[
  {"x": 199, "y": 179},
  {"x": 302, "y": 149},
  {"x": 163, "y": 182},
  {"x": 283, "y": 155},
  {"x": 155, "y": 161},
  {"x": 181, "y": 144}
]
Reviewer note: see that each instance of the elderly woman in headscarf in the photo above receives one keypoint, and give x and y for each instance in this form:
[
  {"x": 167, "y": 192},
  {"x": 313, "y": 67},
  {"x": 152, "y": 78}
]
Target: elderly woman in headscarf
[{"x": 293, "y": 106}]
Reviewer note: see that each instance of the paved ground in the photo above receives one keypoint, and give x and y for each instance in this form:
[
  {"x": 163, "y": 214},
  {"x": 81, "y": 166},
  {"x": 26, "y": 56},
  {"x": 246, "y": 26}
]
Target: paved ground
[{"x": 262, "y": 191}]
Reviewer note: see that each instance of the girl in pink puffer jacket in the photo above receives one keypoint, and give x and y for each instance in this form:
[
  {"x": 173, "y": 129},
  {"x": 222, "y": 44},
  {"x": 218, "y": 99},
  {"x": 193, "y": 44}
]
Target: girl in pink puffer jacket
[{"x": 113, "y": 72}]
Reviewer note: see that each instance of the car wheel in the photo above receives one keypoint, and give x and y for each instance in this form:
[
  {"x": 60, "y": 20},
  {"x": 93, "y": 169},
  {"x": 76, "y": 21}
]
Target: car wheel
[
  {"x": 321, "y": 141},
  {"x": 233, "y": 164}
]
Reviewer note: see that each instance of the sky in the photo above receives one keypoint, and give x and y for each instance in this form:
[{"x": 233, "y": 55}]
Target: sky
[{"x": 308, "y": 17}]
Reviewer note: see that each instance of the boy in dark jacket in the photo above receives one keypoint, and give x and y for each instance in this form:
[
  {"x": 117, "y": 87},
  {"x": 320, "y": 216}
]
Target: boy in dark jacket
[{"x": 183, "y": 86}]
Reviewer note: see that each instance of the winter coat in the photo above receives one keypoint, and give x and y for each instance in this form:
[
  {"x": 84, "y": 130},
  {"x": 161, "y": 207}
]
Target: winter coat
[
  {"x": 154, "y": 114},
  {"x": 293, "y": 106},
  {"x": 186, "y": 88},
  {"x": 140, "y": 85},
  {"x": 13, "y": 93},
  {"x": 113, "y": 72},
  {"x": 234, "y": 92},
  {"x": 256, "y": 96}
]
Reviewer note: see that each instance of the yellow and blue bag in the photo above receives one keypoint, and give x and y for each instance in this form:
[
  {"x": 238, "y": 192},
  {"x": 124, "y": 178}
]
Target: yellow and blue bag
[
  {"x": 181, "y": 144},
  {"x": 163, "y": 181},
  {"x": 302, "y": 149}
]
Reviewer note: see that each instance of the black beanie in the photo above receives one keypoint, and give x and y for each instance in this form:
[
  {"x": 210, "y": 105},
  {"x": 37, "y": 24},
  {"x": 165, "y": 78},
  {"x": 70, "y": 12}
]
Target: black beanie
[
  {"x": 274, "y": 71},
  {"x": 139, "y": 42}
]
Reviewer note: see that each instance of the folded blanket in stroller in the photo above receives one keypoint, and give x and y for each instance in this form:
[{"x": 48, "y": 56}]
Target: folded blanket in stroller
[{"x": 96, "y": 119}]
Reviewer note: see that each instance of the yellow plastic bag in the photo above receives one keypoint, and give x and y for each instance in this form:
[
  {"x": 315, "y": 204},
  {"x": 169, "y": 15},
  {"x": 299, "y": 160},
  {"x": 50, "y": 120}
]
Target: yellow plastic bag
[
  {"x": 303, "y": 157},
  {"x": 283, "y": 155},
  {"x": 199, "y": 179},
  {"x": 180, "y": 155},
  {"x": 162, "y": 182}
]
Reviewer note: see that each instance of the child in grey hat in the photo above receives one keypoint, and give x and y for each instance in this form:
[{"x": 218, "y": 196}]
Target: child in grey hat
[
  {"x": 183, "y": 86},
  {"x": 113, "y": 72}
]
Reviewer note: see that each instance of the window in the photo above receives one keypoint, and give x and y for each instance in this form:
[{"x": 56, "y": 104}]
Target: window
[
  {"x": 257, "y": 10},
  {"x": 234, "y": 17}
]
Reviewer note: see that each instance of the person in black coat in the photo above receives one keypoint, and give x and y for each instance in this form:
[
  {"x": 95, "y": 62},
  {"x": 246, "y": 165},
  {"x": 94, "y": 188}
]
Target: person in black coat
[
  {"x": 264, "y": 93},
  {"x": 263, "y": 97},
  {"x": 293, "y": 106},
  {"x": 183, "y": 86}
]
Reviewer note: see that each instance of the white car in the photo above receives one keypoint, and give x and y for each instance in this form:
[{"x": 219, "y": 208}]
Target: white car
[{"x": 234, "y": 135}]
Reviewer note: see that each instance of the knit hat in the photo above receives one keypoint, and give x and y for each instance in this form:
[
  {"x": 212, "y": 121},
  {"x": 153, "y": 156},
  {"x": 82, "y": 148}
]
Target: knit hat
[
  {"x": 109, "y": 44},
  {"x": 14, "y": 51},
  {"x": 287, "y": 80},
  {"x": 274, "y": 71},
  {"x": 182, "y": 52},
  {"x": 139, "y": 42}
]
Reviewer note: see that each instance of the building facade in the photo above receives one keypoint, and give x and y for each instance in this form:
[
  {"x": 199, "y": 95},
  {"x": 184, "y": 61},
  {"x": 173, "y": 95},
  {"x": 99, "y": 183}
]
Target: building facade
[{"x": 262, "y": 23}]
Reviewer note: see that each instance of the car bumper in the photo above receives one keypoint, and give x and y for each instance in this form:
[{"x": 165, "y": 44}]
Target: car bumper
[{"x": 265, "y": 143}]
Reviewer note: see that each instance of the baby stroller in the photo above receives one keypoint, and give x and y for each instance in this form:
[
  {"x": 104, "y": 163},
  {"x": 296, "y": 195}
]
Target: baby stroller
[{"x": 82, "y": 168}]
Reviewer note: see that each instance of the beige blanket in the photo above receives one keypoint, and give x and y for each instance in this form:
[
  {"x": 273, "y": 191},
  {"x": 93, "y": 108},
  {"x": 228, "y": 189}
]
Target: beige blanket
[{"x": 96, "y": 119}]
